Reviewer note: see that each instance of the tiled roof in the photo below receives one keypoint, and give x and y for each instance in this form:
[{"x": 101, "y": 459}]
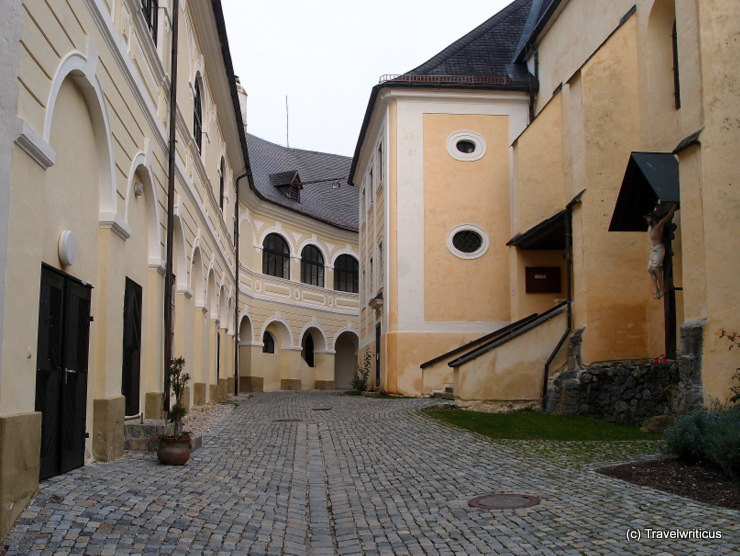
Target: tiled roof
[
  {"x": 272, "y": 163},
  {"x": 486, "y": 50}
]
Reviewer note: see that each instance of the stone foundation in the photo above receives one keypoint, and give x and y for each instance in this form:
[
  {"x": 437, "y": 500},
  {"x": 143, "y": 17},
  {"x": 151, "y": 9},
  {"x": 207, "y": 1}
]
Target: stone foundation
[
  {"x": 212, "y": 393},
  {"x": 324, "y": 385},
  {"x": 251, "y": 384},
  {"x": 223, "y": 388},
  {"x": 199, "y": 394},
  {"x": 290, "y": 384},
  {"x": 20, "y": 446},
  {"x": 153, "y": 405},
  {"x": 108, "y": 418},
  {"x": 624, "y": 392},
  {"x": 689, "y": 393}
]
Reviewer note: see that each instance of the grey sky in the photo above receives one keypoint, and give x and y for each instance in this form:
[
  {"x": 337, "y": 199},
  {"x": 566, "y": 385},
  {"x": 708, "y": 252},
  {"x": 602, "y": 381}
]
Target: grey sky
[{"x": 326, "y": 55}]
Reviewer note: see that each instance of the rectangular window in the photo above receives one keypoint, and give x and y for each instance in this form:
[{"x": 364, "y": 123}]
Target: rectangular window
[
  {"x": 370, "y": 278},
  {"x": 380, "y": 263},
  {"x": 150, "y": 9},
  {"x": 371, "y": 188},
  {"x": 676, "y": 80},
  {"x": 380, "y": 165}
]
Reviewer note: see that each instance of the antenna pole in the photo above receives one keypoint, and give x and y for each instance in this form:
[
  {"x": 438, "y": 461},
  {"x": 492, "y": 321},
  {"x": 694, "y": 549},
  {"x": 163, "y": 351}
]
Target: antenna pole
[{"x": 287, "y": 123}]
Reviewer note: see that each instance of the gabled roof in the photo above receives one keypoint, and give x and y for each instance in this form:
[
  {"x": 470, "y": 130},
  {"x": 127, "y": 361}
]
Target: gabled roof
[
  {"x": 486, "y": 50},
  {"x": 482, "y": 59},
  {"x": 273, "y": 163}
]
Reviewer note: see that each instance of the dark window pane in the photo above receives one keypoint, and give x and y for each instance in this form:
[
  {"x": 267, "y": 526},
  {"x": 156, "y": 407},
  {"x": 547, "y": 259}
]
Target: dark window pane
[
  {"x": 467, "y": 241},
  {"x": 346, "y": 274}
]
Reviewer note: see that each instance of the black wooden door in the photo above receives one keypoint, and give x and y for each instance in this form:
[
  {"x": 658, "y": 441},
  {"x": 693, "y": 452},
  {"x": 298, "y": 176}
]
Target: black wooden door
[
  {"x": 377, "y": 357},
  {"x": 131, "y": 369},
  {"x": 61, "y": 374}
]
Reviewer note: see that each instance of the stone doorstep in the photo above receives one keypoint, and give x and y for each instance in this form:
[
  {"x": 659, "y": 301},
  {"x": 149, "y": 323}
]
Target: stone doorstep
[{"x": 143, "y": 437}]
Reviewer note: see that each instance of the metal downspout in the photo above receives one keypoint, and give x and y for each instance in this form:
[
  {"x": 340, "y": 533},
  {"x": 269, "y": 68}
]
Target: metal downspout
[
  {"x": 169, "y": 277},
  {"x": 238, "y": 282},
  {"x": 569, "y": 300}
]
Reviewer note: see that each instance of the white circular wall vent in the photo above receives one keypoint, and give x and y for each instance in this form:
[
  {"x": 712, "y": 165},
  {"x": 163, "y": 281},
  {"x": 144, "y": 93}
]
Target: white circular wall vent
[
  {"x": 466, "y": 146},
  {"x": 67, "y": 248}
]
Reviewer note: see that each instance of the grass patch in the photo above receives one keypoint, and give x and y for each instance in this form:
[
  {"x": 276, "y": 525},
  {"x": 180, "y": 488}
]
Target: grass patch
[{"x": 538, "y": 426}]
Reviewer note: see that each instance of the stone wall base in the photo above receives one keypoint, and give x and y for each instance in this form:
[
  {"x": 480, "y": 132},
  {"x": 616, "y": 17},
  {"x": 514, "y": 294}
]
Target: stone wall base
[
  {"x": 212, "y": 393},
  {"x": 108, "y": 419},
  {"x": 324, "y": 385},
  {"x": 290, "y": 384},
  {"x": 20, "y": 446},
  {"x": 624, "y": 392},
  {"x": 153, "y": 405},
  {"x": 199, "y": 394},
  {"x": 251, "y": 384},
  {"x": 492, "y": 406}
]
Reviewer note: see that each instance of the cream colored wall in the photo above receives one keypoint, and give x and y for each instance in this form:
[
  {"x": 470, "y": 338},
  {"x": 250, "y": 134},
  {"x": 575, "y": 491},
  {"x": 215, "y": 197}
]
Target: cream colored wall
[
  {"x": 119, "y": 101},
  {"x": 457, "y": 192},
  {"x": 718, "y": 168},
  {"x": 288, "y": 308},
  {"x": 524, "y": 304},
  {"x": 512, "y": 375}
]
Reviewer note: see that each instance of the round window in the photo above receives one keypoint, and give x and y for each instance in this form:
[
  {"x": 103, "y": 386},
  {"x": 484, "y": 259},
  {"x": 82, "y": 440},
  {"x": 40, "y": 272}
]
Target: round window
[
  {"x": 466, "y": 146},
  {"x": 467, "y": 241}
]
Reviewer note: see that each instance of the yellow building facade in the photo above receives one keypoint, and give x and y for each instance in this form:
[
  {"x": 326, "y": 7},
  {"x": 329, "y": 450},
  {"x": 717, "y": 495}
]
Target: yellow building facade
[
  {"x": 584, "y": 131},
  {"x": 86, "y": 106}
]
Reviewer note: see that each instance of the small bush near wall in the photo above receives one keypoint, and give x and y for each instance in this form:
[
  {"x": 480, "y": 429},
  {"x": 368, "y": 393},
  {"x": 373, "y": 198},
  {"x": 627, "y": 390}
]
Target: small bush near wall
[
  {"x": 708, "y": 436},
  {"x": 624, "y": 392}
]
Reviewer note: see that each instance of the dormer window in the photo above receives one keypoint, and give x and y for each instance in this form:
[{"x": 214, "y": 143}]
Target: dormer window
[{"x": 288, "y": 183}]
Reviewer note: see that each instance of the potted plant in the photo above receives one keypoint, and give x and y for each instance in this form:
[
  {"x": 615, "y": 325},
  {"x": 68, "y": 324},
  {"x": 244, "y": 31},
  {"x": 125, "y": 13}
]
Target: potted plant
[{"x": 174, "y": 449}]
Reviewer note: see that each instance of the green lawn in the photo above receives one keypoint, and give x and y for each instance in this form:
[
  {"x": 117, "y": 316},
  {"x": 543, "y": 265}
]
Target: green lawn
[{"x": 538, "y": 426}]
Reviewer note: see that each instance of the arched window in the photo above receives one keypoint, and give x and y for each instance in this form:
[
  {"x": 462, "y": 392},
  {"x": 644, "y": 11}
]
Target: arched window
[
  {"x": 268, "y": 343},
  {"x": 197, "y": 114},
  {"x": 276, "y": 257},
  {"x": 308, "y": 350},
  {"x": 346, "y": 270},
  {"x": 312, "y": 266},
  {"x": 221, "y": 184}
]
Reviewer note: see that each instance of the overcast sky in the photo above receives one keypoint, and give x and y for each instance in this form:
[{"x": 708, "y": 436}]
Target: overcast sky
[{"x": 326, "y": 55}]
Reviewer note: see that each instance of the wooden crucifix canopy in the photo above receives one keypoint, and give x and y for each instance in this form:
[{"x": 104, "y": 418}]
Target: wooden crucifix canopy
[{"x": 649, "y": 177}]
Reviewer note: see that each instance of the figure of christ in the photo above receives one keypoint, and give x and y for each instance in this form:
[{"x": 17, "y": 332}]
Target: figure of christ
[{"x": 657, "y": 254}]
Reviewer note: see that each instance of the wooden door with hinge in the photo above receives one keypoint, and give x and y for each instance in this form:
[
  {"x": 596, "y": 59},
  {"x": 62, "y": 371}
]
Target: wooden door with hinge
[{"x": 61, "y": 371}]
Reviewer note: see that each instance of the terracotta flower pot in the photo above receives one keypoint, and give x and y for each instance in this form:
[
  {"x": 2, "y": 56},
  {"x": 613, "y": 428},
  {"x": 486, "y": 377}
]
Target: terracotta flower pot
[{"x": 174, "y": 451}]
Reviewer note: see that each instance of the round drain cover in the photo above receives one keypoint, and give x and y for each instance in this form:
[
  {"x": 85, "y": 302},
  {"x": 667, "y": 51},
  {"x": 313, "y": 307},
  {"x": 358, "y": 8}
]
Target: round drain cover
[
  {"x": 503, "y": 501},
  {"x": 287, "y": 420}
]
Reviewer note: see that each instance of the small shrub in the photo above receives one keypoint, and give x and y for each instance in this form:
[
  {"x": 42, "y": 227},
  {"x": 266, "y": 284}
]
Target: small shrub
[
  {"x": 711, "y": 436},
  {"x": 362, "y": 372}
]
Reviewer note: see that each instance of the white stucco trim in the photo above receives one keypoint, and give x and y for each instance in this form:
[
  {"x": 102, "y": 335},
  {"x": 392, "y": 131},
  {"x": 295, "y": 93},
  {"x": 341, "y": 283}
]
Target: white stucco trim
[
  {"x": 82, "y": 68},
  {"x": 470, "y": 136},
  {"x": 314, "y": 324},
  {"x": 285, "y": 326},
  {"x": 348, "y": 329},
  {"x": 411, "y": 106},
  {"x": 142, "y": 162},
  {"x": 35, "y": 145},
  {"x": 485, "y": 242}
]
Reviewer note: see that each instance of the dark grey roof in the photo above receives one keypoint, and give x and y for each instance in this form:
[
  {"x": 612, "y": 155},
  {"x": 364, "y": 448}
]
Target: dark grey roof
[
  {"x": 539, "y": 15},
  {"x": 486, "y": 50},
  {"x": 272, "y": 163}
]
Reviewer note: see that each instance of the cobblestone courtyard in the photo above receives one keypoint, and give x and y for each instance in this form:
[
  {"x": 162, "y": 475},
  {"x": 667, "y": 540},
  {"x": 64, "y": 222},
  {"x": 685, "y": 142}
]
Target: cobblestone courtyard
[{"x": 322, "y": 473}]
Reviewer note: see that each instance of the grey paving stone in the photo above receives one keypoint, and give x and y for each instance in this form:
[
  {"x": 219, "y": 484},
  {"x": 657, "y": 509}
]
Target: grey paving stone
[{"x": 372, "y": 476}]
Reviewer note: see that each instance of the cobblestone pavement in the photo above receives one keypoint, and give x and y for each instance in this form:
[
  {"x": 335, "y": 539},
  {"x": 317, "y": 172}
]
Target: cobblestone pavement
[{"x": 321, "y": 473}]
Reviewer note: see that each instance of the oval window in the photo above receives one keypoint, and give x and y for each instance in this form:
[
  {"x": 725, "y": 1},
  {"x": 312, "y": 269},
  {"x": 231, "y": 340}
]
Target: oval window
[
  {"x": 465, "y": 146},
  {"x": 467, "y": 241}
]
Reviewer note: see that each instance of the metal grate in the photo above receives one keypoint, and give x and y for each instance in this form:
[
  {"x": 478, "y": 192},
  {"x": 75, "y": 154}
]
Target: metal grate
[
  {"x": 288, "y": 421},
  {"x": 467, "y": 241},
  {"x": 503, "y": 501}
]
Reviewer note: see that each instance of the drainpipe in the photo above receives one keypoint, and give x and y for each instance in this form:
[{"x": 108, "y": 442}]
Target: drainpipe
[
  {"x": 569, "y": 295},
  {"x": 169, "y": 277},
  {"x": 236, "y": 274}
]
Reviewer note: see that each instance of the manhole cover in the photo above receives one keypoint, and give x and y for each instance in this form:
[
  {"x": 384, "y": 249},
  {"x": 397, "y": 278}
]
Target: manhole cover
[
  {"x": 321, "y": 409},
  {"x": 503, "y": 501},
  {"x": 288, "y": 421}
]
